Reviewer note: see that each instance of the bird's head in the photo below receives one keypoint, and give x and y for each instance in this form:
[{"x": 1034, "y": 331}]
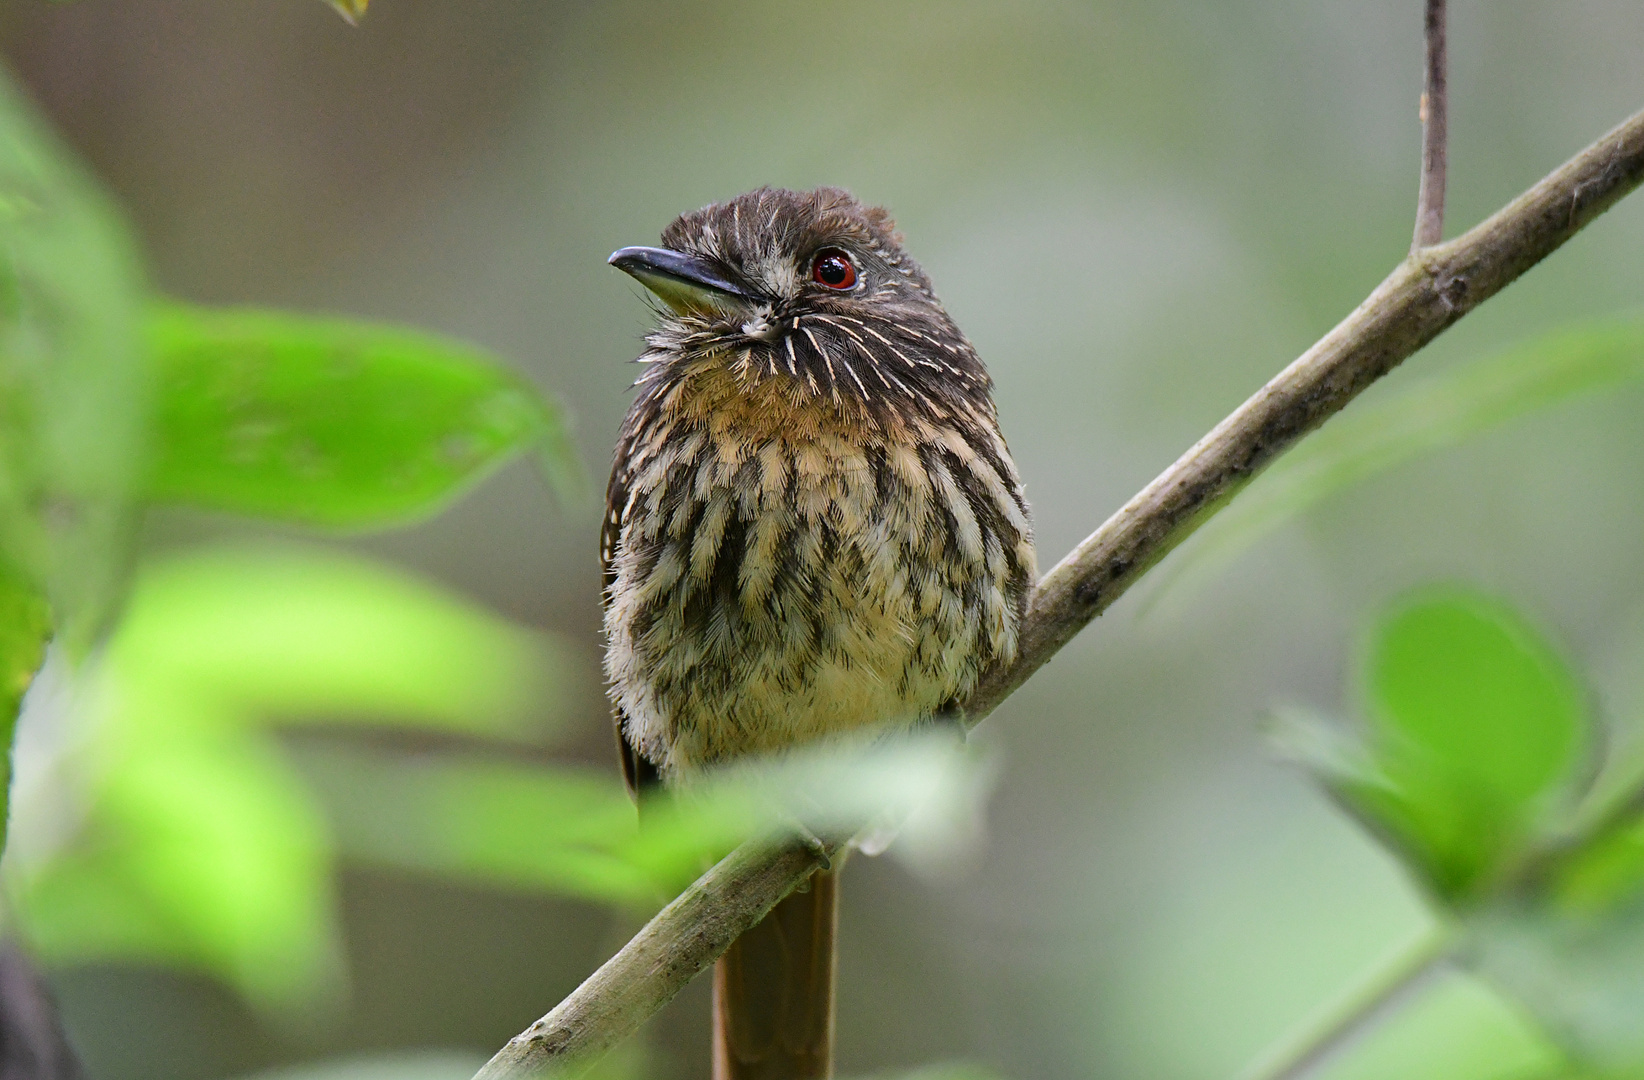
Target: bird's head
[{"x": 809, "y": 288}]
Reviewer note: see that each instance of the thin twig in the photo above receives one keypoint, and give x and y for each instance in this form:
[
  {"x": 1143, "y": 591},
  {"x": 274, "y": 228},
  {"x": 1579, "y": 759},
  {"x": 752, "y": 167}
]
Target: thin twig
[
  {"x": 1341, "y": 1024},
  {"x": 1435, "y": 133},
  {"x": 1423, "y": 296}
]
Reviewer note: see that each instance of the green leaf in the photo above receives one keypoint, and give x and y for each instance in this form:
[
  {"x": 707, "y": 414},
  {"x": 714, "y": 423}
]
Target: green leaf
[
  {"x": 1600, "y": 873},
  {"x": 334, "y": 422},
  {"x": 73, "y": 389},
  {"x": 298, "y": 634},
  {"x": 1440, "y": 412},
  {"x": 198, "y": 844},
  {"x": 25, "y": 626},
  {"x": 575, "y": 832},
  {"x": 200, "y": 851},
  {"x": 493, "y": 822},
  {"x": 1346, "y": 770},
  {"x": 1477, "y": 728}
]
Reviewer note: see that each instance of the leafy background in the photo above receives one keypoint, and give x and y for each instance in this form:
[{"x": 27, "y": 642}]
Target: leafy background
[{"x": 1137, "y": 210}]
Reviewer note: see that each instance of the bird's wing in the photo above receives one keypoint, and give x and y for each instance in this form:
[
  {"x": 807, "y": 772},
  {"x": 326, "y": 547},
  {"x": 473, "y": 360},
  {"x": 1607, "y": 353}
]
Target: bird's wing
[
  {"x": 610, "y": 532},
  {"x": 640, "y": 775}
]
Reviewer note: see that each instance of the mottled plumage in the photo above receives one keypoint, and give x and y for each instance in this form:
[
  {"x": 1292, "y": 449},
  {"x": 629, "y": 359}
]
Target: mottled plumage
[
  {"x": 813, "y": 526},
  {"x": 813, "y": 523}
]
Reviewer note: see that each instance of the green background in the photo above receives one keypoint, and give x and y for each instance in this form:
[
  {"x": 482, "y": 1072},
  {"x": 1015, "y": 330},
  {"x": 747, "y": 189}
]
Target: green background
[{"x": 1138, "y": 211}]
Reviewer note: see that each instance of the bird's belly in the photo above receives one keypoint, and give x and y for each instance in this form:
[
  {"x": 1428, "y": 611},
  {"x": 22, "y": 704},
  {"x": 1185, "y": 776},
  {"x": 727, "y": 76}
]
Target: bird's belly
[
  {"x": 864, "y": 656},
  {"x": 750, "y": 617}
]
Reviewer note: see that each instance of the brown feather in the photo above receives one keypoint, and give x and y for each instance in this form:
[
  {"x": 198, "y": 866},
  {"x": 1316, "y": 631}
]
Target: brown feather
[{"x": 773, "y": 991}]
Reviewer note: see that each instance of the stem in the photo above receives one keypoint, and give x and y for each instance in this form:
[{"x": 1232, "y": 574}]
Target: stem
[
  {"x": 1420, "y": 299},
  {"x": 1435, "y": 133},
  {"x": 1323, "y": 1039}
]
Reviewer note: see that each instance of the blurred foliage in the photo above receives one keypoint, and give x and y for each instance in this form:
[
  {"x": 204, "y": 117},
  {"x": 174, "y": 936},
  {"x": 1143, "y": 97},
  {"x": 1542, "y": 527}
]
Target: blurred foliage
[
  {"x": 1440, "y": 411},
  {"x": 333, "y": 422},
  {"x": 25, "y": 625},
  {"x": 1476, "y": 756},
  {"x": 572, "y": 831},
  {"x": 567, "y": 830},
  {"x": 72, "y": 385},
  {"x": 200, "y": 843},
  {"x": 189, "y": 838},
  {"x": 1473, "y": 728},
  {"x": 300, "y": 419},
  {"x": 197, "y": 843}
]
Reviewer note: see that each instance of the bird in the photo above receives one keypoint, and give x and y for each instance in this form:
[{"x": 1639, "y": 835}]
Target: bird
[{"x": 813, "y": 529}]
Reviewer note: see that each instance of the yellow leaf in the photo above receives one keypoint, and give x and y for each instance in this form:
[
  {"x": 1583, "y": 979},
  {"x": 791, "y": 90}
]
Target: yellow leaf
[{"x": 352, "y": 10}]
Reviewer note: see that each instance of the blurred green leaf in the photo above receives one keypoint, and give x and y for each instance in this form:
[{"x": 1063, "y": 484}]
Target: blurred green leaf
[
  {"x": 1602, "y": 872},
  {"x": 1442, "y": 411},
  {"x": 298, "y": 634},
  {"x": 25, "y": 624},
  {"x": 1475, "y": 731},
  {"x": 334, "y": 422},
  {"x": 1344, "y": 766},
  {"x": 573, "y": 831},
  {"x": 197, "y": 842},
  {"x": 1477, "y": 740},
  {"x": 495, "y": 822},
  {"x": 1476, "y": 724},
  {"x": 73, "y": 390}
]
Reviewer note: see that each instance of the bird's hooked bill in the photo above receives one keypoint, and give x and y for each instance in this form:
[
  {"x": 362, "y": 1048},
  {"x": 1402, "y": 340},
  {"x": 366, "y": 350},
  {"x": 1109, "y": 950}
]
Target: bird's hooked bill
[{"x": 683, "y": 282}]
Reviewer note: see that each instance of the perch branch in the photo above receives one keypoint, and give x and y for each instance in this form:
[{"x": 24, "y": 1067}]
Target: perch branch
[
  {"x": 1423, "y": 296},
  {"x": 1435, "y": 133},
  {"x": 683, "y": 939}
]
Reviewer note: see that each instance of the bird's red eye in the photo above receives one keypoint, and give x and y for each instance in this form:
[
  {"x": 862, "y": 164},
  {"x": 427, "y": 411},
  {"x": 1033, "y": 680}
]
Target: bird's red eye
[{"x": 833, "y": 269}]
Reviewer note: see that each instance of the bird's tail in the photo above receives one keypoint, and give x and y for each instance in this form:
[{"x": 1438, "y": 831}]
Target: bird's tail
[{"x": 773, "y": 991}]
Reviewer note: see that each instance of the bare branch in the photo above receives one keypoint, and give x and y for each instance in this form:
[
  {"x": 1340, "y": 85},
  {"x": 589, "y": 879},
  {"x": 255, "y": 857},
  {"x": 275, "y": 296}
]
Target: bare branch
[
  {"x": 1422, "y": 297},
  {"x": 1435, "y": 133},
  {"x": 686, "y": 937}
]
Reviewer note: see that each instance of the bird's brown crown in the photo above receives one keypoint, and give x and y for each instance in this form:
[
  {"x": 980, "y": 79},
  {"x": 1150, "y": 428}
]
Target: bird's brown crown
[{"x": 818, "y": 306}]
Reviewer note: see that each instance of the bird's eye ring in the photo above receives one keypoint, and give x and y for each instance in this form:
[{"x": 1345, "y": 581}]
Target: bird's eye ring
[{"x": 833, "y": 268}]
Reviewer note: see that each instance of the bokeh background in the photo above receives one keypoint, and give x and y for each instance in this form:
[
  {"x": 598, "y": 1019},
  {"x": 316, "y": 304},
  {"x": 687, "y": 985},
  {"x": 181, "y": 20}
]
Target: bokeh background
[{"x": 1138, "y": 210}]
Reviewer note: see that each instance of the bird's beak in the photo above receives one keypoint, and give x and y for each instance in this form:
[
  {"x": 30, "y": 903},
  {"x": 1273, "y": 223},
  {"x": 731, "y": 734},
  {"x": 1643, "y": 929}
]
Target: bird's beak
[{"x": 686, "y": 283}]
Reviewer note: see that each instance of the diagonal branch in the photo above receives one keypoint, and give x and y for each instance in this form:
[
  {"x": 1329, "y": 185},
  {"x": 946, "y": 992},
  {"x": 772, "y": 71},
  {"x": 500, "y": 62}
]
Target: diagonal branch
[
  {"x": 1435, "y": 133},
  {"x": 1420, "y": 299}
]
